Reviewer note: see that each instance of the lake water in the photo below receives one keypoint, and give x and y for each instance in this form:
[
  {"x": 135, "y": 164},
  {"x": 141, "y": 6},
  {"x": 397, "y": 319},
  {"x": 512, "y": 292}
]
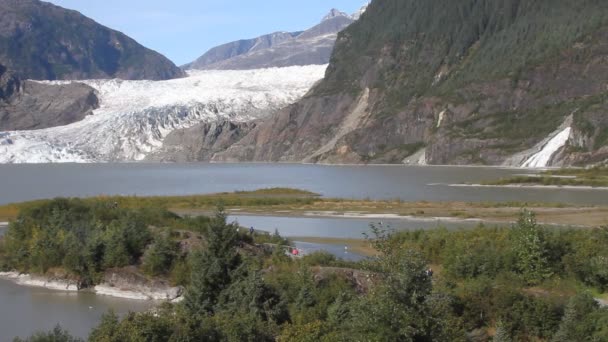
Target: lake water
[
  {"x": 25, "y": 310},
  {"x": 341, "y": 228},
  {"x": 409, "y": 183}
]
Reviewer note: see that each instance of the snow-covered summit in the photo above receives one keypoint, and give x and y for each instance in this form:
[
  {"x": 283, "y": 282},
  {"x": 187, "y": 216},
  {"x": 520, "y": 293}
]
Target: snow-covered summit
[
  {"x": 134, "y": 117},
  {"x": 334, "y": 13}
]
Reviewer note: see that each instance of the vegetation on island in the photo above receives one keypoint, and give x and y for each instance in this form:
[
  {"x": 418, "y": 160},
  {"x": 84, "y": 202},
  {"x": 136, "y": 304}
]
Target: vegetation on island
[
  {"x": 295, "y": 202},
  {"x": 527, "y": 283},
  {"x": 592, "y": 177}
]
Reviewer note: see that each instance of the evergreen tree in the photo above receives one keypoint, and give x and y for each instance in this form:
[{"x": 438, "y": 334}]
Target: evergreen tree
[
  {"x": 571, "y": 327},
  {"x": 250, "y": 296},
  {"x": 397, "y": 309},
  {"x": 338, "y": 312},
  {"x": 55, "y": 335},
  {"x": 502, "y": 334},
  {"x": 530, "y": 249},
  {"x": 213, "y": 268},
  {"x": 568, "y": 324},
  {"x": 159, "y": 257}
]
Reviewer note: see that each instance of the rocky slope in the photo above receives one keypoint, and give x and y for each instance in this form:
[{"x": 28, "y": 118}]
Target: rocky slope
[
  {"x": 26, "y": 105},
  {"x": 453, "y": 82},
  {"x": 42, "y": 41},
  {"x": 240, "y": 47},
  {"x": 280, "y": 49},
  {"x": 201, "y": 142},
  {"x": 185, "y": 119}
]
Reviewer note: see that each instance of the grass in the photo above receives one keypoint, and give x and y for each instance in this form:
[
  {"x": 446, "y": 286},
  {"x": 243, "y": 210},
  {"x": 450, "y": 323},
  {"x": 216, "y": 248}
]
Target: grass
[
  {"x": 294, "y": 202},
  {"x": 256, "y": 198},
  {"x": 358, "y": 246}
]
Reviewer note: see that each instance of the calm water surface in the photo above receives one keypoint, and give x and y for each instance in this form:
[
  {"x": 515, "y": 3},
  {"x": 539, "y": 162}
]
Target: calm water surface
[
  {"x": 341, "y": 228},
  {"x": 410, "y": 183},
  {"x": 24, "y": 310}
]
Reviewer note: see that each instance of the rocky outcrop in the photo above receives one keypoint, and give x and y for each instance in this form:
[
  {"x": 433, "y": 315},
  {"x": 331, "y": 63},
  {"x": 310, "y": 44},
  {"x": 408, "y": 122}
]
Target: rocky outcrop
[
  {"x": 279, "y": 49},
  {"x": 41, "y": 41},
  {"x": 125, "y": 282},
  {"x": 201, "y": 142},
  {"x": 9, "y": 83},
  {"x": 47, "y": 282},
  {"x": 476, "y": 89},
  {"x": 128, "y": 282},
  {"x": 36, "y": 105},
  {"x": 361, "y": 281}
]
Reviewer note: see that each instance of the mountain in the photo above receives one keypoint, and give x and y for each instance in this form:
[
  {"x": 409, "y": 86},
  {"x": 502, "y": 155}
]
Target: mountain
[
  {"x": 279, "y": 49},
  {"x": 517, "y": 82},
  {"x": 185, "y": 119},
  {"x": 26, "y": 105},
  {"x": 240, "y": 47},
  {"x": 42, "y": 41}
]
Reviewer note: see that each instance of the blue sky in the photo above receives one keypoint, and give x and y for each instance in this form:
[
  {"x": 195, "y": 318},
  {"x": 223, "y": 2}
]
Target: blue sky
[{"x": 183, "y": 30}]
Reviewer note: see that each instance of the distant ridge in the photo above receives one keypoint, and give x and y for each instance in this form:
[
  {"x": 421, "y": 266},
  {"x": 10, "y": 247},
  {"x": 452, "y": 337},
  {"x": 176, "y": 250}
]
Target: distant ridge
[{"x": 279, "y": 49}]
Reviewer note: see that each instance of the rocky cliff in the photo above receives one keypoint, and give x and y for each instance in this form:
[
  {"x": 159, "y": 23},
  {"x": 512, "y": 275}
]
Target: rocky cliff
[
  {"x": 201, "y": 142},
  {"x": 42, "y": 41},
  {"x": 27, "y": 105},
  {"x": 453, "y": 82}
]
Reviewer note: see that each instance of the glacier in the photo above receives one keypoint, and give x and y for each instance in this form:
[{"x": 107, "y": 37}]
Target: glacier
[{"x": 134, "y": 117}]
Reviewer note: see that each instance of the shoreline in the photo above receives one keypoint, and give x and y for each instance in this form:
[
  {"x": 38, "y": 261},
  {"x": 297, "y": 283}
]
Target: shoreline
[
  {"x": 390, "y": 216},
  {"x": 102, "y": 289},
  {"x": 357, "y": 216},
  {"x": 524, "y": 186}
]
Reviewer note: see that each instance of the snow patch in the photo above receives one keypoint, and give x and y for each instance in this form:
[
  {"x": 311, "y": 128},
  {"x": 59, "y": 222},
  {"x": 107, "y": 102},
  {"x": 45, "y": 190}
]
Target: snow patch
[
  {"x": 360, "y": 12},
  {"x": 542, "y": 158},
  {"x": 135, "y": 116},
  {"x": 441, "y": 117}
]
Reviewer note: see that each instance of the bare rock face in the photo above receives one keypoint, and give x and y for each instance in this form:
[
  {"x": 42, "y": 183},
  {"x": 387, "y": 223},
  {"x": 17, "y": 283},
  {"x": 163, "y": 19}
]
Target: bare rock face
[
  {"x": 201, "y": 142},
  {"x": 41, "y": 41},
  {"x": 128, "y": 282},
  {"x": 33, "y": 105},
  {"x": 9, "y": 83},
  {"x": 450, "y": 95}
]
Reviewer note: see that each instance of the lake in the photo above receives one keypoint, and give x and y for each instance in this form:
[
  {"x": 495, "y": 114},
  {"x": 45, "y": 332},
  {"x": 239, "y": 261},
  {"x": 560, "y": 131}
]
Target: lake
[
  {"x": 340, "y": 228},
  {"x": 25, "y": 310},
  {"x": 409, "y": 183}
]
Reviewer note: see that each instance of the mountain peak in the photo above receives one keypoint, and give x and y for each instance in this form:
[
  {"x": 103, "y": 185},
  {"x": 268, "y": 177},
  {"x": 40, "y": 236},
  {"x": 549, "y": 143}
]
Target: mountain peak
[
  {"x": 360, "y": 12},
  {"x": 334, "y": 13}
]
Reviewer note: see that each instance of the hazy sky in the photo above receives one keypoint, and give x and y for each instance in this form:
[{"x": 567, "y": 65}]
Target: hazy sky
[{"x": 183, "y": 30}]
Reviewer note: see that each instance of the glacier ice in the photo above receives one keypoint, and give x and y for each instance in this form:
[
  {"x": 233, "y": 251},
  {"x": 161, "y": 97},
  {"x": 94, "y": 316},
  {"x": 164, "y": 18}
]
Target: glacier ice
[{"x": 135, "y": 116}]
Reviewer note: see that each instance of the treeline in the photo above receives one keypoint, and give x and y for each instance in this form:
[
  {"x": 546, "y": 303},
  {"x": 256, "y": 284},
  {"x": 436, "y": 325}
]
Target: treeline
[
  {"x": 478, "y": 40},
  {"x": 519, "y": 279},
  {"x": 85, "y": 238},
  {"x": 526, "y": 283}
]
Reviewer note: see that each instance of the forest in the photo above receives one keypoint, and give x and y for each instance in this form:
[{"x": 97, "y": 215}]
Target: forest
[{"x": 519, "y": 283}]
